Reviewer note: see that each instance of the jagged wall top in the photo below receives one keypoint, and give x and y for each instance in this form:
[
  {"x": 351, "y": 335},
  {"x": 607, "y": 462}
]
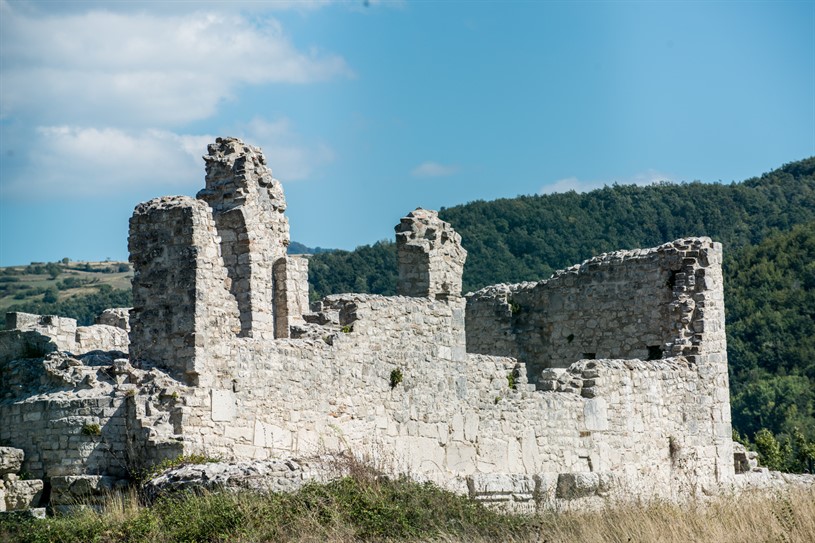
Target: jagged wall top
[
  {"x": 248, "y": 207},
  {"x": 237, "y": 171},
  {"x": 430, "y": 256}
]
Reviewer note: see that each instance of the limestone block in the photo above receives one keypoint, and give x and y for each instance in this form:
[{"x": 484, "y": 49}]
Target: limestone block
[
  {"x": 224, "y": 405},
  {"x": 577, "y": 485},
  {"x": 11, "y": 460},
  {"x": 596, "y": 415},
  {"x": 460, "y": 458},
  {"x": 500, "y": 483},
  {"x": 23, "y": 494},
  {"x": 73, "y": 489},
  {"x": 101, "y": 337},
  {"x": 117, "y": 316}
]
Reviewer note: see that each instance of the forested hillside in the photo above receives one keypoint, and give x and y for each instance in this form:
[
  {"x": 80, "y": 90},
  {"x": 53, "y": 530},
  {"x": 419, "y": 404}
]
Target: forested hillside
[
  {"x": 767, "y": 227},
  {"x": 529, "y": 237}
]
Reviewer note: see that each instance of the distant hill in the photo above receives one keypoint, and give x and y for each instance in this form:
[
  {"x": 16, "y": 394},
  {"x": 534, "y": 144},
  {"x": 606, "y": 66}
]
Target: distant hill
[
  {"x": 296, "y": 248},
  {"x": 528, "y": 237},
  {"x": 80, "y": 290}
]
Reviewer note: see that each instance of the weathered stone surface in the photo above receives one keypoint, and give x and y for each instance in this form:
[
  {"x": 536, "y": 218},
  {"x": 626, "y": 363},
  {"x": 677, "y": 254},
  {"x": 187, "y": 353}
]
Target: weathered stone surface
[
  {"x": 11, "y": 460},
  {"x": 116, "y": 316},
  {"x": 260, "y": 476},
  {"x": 430, "y": 256},
  {"x": 22, "y": 494},
  {"x": 577, "y": 485},
  {"x": 83, "y": 489}
]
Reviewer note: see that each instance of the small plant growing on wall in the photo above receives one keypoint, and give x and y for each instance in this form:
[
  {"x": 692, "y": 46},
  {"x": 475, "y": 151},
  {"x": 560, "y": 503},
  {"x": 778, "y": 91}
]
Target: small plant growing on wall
[
  {"x": 345, "y": 329},
  {"x": 396, "y": 377},
  {"x": 514, "y": 307},
  {"x": 511, "y": 380},
  {"x": 91, "y": 430}
]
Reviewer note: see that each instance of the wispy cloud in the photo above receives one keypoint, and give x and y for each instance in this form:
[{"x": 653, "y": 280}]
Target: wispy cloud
[
  {"x": 567, "y": 184},
  {"x": 150, "y": 69},
  {"x": 433, "y": 169}
]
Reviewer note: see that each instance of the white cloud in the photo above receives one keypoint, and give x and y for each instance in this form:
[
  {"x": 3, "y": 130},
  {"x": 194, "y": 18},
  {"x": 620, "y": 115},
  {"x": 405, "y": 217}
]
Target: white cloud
[
  {"x": 433, "y": 169},
  {"x": 80, "y": 162},
  {"x": 143, "y": 68},
  {"x": 567, "y": 184},
  {"x": 289, "y": 158}
]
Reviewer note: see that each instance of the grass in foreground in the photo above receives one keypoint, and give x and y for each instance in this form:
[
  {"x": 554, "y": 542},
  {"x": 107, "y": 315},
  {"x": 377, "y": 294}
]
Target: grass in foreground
[{"x": 370, "y": 509}]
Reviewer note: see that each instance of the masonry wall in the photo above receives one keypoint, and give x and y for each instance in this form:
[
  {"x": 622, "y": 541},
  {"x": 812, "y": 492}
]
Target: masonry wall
[
  {"x": 626, "y": 304},
  {"x": 456, "y": 416}
]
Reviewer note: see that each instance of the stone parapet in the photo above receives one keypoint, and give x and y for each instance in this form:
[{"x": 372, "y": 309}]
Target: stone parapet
[{"x": 430, "y": 256}]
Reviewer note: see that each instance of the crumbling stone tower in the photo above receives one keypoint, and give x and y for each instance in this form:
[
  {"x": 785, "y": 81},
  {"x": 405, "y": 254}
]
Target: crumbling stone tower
[
  {"x": 248, "y": 207},
  {"x": 214, "y": 268},
  {"x": 430, "y": 256}
]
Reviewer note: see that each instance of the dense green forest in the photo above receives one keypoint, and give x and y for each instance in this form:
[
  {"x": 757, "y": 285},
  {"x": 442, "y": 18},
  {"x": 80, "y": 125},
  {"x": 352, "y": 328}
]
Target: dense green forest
[{"x": 767, "y": 227}]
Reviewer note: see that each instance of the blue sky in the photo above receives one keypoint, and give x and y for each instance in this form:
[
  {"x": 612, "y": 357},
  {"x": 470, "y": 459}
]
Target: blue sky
[{"x": 368, "y": 111}]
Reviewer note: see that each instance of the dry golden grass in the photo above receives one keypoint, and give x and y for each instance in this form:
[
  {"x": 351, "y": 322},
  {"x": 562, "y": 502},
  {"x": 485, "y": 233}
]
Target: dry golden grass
[{"x": 370, "y": 510}]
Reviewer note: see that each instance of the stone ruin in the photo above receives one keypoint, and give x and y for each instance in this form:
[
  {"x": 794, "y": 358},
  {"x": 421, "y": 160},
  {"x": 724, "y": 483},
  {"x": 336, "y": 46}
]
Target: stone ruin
[{"x": 606, "y": 381}]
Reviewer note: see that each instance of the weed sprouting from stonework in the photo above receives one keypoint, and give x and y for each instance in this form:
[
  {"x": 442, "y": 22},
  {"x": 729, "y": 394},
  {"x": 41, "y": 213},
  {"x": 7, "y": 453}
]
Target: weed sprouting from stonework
[
  {"x": 91, "y": 430},
  {"x": 396, "y": 377},
  {"x": 514, "y": 307},
  {"x": 511, "y": 380},
  {"x": 346, "y": 329}
]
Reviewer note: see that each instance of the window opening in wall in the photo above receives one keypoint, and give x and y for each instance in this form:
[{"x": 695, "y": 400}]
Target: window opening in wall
[
  {"x": 654, "y": 352},
  {"x": 671, "y": 280},
  {"x": 589, "y": 356}
]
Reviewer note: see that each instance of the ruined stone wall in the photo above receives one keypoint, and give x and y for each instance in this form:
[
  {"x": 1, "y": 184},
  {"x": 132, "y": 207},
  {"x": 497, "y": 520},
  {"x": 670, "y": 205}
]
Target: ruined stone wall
[
  {"x": 628, "y": 304},
  {"x": 455, "y": 416},
  {"x": 28, "y": 336},
  {"x": 61, "y": 330},
  {"x": 93, "y": 414},
  {"x": 290, "y": 293}
]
